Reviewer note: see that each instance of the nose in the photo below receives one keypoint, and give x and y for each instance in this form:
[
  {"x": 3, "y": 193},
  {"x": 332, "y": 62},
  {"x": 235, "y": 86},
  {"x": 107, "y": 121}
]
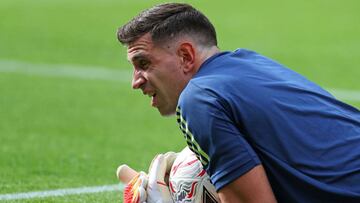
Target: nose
[{"x": 138, "y": 80}]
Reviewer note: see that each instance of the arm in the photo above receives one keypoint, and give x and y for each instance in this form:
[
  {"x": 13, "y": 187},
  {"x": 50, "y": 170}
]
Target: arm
[
  {"x": 211, "y": 127},
  {"x": 251, "y": 187}
]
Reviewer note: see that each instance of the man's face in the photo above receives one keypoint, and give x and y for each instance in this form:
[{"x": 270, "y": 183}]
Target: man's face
[{"x": 157, "y": 72}]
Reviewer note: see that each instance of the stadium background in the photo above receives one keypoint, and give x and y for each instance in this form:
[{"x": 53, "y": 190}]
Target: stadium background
[{"x": 64, "y": 126}]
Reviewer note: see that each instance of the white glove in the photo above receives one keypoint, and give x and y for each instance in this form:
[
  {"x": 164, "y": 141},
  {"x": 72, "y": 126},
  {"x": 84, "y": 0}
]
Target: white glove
[
  {"x": 134, "y": 191},
  {"x": 158, "y": 182}
]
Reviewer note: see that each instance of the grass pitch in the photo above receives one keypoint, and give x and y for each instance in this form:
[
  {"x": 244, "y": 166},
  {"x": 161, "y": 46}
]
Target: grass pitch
[{"x": 67, "y": 132}]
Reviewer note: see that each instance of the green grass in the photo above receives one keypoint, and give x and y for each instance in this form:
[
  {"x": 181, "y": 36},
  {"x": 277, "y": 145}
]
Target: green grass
[
  {"x": 65, "y": 133},
  {"x": 84, "y": 198},
  {"x": 317, "y": 38}
]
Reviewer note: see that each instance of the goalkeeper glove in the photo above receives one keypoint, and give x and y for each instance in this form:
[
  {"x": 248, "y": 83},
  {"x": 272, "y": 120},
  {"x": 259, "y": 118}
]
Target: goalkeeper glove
[
  {"x": 152, "y": 188},
  {"x": 134, "y": 191},
  {"x": 158, "y": 185}
]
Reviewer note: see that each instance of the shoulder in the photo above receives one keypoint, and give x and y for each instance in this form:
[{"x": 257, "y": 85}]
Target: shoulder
[{"x": 197, "y": 94}]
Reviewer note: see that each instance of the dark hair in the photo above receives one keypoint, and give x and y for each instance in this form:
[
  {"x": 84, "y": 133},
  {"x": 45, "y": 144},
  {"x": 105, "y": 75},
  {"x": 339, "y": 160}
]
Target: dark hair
[{"x": 167, "y": 21}]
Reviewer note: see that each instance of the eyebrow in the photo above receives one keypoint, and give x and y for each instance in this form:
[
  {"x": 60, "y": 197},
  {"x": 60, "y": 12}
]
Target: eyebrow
[{"x": 138, "y": 56}]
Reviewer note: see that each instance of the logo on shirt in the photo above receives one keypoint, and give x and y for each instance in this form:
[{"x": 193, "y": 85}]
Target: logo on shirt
[{"x": 191, "y": 142}]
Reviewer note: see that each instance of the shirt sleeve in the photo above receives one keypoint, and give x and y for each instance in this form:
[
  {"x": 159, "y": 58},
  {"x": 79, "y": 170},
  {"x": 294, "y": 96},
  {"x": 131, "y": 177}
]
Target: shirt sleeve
[{"x": 213, "y": 136}]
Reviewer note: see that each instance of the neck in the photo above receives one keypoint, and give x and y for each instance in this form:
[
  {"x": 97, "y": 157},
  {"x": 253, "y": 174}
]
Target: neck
[{"x": 204, "y": 54}]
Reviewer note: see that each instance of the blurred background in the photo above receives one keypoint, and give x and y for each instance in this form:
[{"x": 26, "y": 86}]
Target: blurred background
[{"x": 68, "y": 115}]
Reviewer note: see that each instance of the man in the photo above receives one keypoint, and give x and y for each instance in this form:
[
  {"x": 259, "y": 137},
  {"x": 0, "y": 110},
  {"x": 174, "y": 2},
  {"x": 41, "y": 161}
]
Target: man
[{"x": 262, "y": 132}]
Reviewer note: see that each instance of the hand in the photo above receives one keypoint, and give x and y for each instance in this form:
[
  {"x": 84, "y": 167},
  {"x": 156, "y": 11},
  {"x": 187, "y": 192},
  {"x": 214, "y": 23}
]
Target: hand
[
  {"x": 134, "y": 191},
  {"x": 158, "y": 183}
]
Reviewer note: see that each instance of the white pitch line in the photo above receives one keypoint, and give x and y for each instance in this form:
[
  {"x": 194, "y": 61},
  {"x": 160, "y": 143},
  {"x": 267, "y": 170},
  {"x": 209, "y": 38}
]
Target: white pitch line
[
  {"x": 64, "y": 70},
  {"x": 62, "y": 192},
  {"x": 107, "y": 74},
  {"x": 349, "y": 95}
]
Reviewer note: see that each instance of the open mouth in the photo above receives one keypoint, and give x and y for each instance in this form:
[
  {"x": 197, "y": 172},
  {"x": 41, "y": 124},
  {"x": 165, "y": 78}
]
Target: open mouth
[{"x": 153, "y": 100}]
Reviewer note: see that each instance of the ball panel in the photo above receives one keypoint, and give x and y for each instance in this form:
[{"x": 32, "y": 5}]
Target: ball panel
[
  {"x": 189, "y": 182},
  {"x": 208, "y": 197}
]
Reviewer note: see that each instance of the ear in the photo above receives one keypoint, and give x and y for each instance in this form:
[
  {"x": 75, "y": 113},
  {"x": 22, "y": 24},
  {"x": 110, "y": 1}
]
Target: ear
[{"x": 187, "y": 53}]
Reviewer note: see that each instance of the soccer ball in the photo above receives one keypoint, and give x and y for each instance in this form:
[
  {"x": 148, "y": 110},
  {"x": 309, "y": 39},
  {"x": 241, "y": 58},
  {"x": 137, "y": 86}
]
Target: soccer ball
[{"x": 189, "y": 182}]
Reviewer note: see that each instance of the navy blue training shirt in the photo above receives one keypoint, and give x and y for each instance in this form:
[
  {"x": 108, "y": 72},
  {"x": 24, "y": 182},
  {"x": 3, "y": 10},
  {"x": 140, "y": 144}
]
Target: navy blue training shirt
[{"x": 242, "y": 109}]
